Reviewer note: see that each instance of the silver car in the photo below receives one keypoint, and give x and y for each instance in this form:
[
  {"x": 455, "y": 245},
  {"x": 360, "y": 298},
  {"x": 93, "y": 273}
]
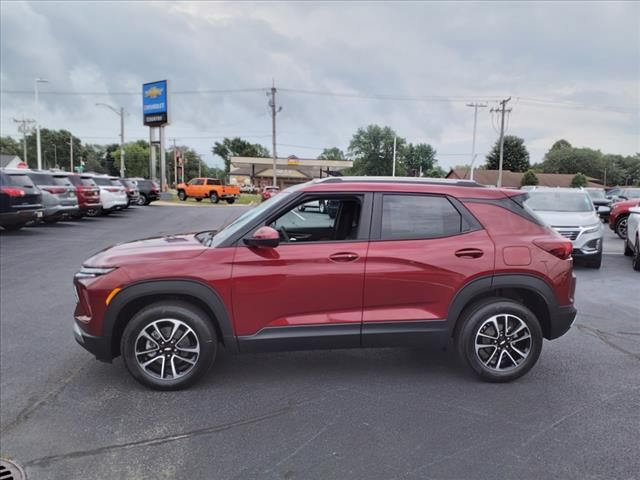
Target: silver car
[{"x": 571, "y": 213}]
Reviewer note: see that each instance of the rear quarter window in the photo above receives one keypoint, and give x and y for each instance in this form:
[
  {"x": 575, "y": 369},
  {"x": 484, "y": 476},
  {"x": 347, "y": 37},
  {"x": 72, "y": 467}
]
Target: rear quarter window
[{"x": 413, "y": 217}]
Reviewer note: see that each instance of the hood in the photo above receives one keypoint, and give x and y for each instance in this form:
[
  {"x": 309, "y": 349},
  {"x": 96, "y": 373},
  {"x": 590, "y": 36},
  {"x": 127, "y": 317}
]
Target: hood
[
  {"x": 568, "y": 219},
  {"x": 173, "y": 247}
]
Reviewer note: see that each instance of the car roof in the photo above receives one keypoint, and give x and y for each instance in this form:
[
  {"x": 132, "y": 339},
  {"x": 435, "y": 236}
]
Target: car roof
[{"x": 457, "y": 188}]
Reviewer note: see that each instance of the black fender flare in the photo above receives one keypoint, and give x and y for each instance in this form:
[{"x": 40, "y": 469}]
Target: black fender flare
[
  {"x": 488, "y": 284},
  {"x": 193, "y": 288}
]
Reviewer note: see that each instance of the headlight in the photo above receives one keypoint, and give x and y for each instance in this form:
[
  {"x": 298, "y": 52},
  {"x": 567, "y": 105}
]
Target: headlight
[
  {"x": 592, "y": 228},
  {"x": 92, "y": 272}
]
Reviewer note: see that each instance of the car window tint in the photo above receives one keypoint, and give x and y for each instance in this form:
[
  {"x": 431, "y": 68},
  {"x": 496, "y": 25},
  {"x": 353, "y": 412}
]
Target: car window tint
[
  {"x": 105, "y": 182},
  {"x": 212, "y": 181},
  {"x": 41, "y": 179},
  {"x": 63, "y": 181},
  {"x": 197, "y": 181},
  {"x": 87, "y": 182},
  {"x": 406, "y": 217},
  {"x": 20, "y": 180}
]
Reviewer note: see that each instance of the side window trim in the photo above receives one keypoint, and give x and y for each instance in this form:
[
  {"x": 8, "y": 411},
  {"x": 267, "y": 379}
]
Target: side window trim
[
  {"x": 364, "y": 231},
  {"x": 469, "y": 222}
]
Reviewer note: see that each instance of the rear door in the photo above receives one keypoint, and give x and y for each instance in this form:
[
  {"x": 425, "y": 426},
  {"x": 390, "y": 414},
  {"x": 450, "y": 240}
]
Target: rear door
[{"x": 424, "y": 248}]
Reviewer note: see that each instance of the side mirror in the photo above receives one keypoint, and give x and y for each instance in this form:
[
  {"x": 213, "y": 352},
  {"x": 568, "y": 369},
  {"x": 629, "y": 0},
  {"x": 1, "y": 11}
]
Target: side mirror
[{"x": 264, "y": 237}]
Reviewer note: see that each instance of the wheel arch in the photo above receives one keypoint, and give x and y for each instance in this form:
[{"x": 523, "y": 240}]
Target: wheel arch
[
  {"x": 532, "y": 292},
  {"x": 136, "y": 296}
]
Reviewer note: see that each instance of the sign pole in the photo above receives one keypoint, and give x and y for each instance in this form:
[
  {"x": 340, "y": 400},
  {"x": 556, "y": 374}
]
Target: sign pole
[
  {"x": 163, "y": 163},
  {"x": 152, "y": 150}
]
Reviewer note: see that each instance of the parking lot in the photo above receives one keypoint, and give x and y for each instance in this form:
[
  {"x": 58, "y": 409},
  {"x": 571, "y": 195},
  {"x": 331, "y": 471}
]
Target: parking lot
[{"x": 371, "y": 414}]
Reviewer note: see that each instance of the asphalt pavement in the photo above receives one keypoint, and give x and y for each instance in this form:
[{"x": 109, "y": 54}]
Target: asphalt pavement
[{"x": 370, "y": 414}]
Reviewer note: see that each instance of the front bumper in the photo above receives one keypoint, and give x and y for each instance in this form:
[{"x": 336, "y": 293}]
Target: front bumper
[{"x": 98, "y": 346}]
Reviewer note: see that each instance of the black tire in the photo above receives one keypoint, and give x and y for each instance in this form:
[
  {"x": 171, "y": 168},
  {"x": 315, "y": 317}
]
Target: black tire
[
  {"x": 13, "y": 227},
  {"x": 636, "y": 257},
  {"x": 621, "y": 226},
  {"x": 194, "y": 318},
  {"x": 182, "y": 195},
  {"x": 93, "y": 212},
  {"x": 106, "y": 211},
  {"x": 198, "y": 199},
  {"x": 214, "y": 197},
  {"x": 142, "y": 200},
  {"x": 628, "y": 252},
  {"x": 474, "y": 317},
  {"x": 50, "y": 220},
  {"x": 231, "y": 201}
]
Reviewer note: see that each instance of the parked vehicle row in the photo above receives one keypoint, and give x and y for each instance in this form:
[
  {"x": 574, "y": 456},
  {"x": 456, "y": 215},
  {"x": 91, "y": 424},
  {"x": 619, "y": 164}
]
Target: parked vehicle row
[{"x": 51, "y": 195}]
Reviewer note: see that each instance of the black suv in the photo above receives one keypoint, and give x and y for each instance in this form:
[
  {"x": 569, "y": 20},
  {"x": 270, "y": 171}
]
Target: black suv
[
  {"x": 149, "y": 191},
  {"x": 20, "y": 201}
]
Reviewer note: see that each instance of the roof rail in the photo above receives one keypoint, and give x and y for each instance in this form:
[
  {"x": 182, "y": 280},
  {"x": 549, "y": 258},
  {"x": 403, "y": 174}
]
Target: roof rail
[{"x": 419, "y": 180}]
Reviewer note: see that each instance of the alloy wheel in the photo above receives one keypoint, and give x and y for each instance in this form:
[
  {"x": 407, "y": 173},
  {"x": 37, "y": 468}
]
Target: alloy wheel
[
  {"x": 167, "y": 349},
  {"x": 503, "y": 342},
  {"x": 621, "y": 229}
]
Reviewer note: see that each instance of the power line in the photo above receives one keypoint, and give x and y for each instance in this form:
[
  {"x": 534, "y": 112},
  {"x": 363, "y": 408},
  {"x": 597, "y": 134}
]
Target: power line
[{"x": 173, "y": 92}]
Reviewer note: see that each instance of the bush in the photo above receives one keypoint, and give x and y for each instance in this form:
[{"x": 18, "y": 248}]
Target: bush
[
  {"x": 579, "y": 180},
  {"x": 529, "y": 178}
]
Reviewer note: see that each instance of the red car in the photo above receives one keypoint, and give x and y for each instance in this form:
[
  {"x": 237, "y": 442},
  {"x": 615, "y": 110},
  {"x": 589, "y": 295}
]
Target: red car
[
  {"x": 619, "y": 216},
  {"x": 268, "y": 192},
  {"x": 401, "y": 263},
  {"x": 87, "y": 191}
]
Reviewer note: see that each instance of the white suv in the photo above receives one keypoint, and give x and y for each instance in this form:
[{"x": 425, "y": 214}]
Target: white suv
[
  {"x": 632, "y": 242},
  {"x": 571, "y": 213},
  {"x": 113, "y": 195}
]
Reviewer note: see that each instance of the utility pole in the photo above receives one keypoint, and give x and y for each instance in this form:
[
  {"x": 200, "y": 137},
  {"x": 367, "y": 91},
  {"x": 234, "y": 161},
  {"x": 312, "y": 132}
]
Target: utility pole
[
  {"x": 71, "y": 154},
  {"x": 503, "y": 110},
  {"x": 119, "y": 112},
  {"x": 24, "y": 129},
  {"x": 38, "y": 144},
  {"x": 393, "y": 169},
  {"x": 473, "y": 144},
  {"x": 274, "y": 112},
  {"x": 175, "y": 163}
]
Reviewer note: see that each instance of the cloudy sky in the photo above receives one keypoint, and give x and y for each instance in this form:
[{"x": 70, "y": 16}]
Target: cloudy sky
[{"x": 572, "y": 69}]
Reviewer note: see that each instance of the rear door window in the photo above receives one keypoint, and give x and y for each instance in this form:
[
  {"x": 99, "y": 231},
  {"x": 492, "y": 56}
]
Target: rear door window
[{"x": 414, "y": 217}]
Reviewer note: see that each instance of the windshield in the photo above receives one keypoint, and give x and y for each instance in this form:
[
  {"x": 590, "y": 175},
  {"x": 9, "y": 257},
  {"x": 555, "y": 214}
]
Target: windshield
[
  {"x": 631, "y": 193},
  {"x": 41, "y": 179},
  {"x": 246, "y": 218},
  {"x": 63, "y": 181},
  {"x": 561, "y": 201}
]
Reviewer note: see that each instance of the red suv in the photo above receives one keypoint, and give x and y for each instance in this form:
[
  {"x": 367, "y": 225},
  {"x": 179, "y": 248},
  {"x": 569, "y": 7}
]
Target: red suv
[
  {"x": 619, "y": 216},
  {"x": 402, "y": 262}
]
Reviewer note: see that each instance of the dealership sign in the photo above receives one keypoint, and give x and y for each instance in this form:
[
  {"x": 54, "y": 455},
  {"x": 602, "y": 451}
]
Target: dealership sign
[{"x": 155, "y": 109}]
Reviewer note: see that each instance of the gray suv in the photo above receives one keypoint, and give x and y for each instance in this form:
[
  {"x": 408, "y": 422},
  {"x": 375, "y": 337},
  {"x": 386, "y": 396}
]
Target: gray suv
[{"x": 571, "y": 213}]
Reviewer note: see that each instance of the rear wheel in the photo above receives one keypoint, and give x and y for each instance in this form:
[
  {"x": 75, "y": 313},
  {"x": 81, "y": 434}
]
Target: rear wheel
[
  {"x": 182, "y": 195},
  {"x": 142, "y": 200},
  {"x": 230, "y": 201},
  {"x": 169, "y": 345},
  {"x": 93, "y": 212},
  {"x": 628, "y": 252},
  {"x": 636, "y": 256},
  {"x": 621, "y": 226},
  {"x": 500, "y": 339},
  {"x": 214, "y": 197}
]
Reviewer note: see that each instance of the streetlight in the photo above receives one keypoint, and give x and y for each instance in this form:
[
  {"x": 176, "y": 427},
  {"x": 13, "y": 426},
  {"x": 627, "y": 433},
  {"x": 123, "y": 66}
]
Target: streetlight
[
  {"x": 121, "y": 114},
  {"x": 38, "y": 146}
]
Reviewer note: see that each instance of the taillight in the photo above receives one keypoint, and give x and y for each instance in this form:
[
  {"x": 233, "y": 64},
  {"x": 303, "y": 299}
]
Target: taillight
[
  {"x": 13, "y": 192},
  {"x": 55, "y": 189},
  {"x": 558, "y": 247}
]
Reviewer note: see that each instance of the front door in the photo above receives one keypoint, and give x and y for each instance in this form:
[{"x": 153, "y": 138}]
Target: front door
[{"x": 306, "y": 292}]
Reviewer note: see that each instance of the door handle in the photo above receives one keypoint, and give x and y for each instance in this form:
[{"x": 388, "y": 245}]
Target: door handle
[
  {"x": 469, "y": 253},
  {"x": 343, "y": 257}
]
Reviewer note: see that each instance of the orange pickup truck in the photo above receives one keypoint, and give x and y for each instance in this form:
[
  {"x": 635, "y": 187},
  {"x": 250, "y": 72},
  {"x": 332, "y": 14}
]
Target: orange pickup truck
[{"x": 210, "y": 188}]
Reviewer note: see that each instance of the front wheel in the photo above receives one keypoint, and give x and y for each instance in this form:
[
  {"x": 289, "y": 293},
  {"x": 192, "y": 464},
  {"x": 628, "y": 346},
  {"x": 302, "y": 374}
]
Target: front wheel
[
  {"x": 182, "y": 195},
  {"x": 169, "y": 345},
  {"x": 142, "y": 200},
  {"x": 500, "y": 339},
  {"x": 214, "y": 197},
  {"x": 621, "y": 226}
]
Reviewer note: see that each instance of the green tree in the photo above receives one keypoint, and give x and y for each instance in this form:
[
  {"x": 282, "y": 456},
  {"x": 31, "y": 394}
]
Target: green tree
[
  {"x": 515, "y": 158},
  {"x": 529, "y": 178},
  {"x": 237, "y": 147},
  {"x": 418, "y": 158},
  {"x": 333, "y": 153},
  {"x": 9, "y": 146},
  {"x": 435, "y": 172},
  {"x": 372, "y": 151},
  {"x": 562, "y": 143},
  {"x": 579, "y": 180}
]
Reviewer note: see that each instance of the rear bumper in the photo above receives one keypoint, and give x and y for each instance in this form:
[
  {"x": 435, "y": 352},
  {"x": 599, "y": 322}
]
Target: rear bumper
[
  {"x": 98, "y": 346},
  {"x": 562, "y": 320},
  {"x": 20, "y": 216},
  {"x": 61, "y": 210}
]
